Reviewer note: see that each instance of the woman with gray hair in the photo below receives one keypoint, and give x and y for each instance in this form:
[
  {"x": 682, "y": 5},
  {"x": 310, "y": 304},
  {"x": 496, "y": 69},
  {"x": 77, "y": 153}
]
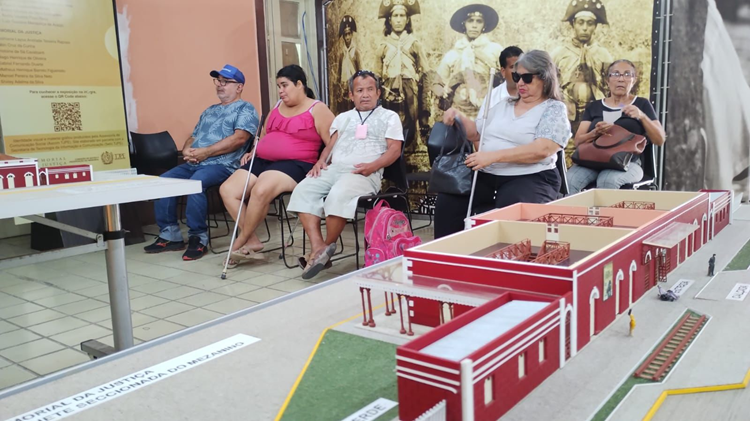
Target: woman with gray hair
[
  {"x": 620, "y": 108},
  {"x": 519, "y": 150}
]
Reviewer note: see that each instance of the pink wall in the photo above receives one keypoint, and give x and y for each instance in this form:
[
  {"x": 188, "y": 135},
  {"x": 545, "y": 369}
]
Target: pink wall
[{"x": 173, "y": 46}]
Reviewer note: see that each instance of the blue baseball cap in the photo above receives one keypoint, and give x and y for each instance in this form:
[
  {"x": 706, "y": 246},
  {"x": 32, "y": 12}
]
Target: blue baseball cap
[{"x": 229, "y": 72}]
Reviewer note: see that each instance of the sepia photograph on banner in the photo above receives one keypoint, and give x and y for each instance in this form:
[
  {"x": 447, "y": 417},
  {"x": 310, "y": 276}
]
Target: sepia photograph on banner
[{"x": 432, "y": 55}]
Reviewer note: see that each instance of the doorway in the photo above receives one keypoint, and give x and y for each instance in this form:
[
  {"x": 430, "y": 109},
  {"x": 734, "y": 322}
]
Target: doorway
[{"x": 289, "y": 43}]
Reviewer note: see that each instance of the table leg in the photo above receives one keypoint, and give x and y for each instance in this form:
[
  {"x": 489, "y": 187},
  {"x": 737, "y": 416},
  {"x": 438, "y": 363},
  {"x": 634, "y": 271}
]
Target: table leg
[{"x": 117, "y": 279}]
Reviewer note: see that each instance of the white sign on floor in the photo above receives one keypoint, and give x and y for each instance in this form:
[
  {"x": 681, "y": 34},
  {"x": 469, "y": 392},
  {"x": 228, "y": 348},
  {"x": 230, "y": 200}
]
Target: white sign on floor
[
  {"x": 681, "y": 286},
  {"x": 124, "y": 385},
  {"x": 372, "y": 411},
  {"x": 739, "y": 292}
]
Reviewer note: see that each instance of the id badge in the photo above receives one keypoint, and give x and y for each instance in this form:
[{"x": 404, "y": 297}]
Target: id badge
[{"x": 361, "y": 132}]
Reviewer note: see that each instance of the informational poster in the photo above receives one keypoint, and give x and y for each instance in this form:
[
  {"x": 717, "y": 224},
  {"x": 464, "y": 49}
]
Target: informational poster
[{"x": 61, "y": 97}]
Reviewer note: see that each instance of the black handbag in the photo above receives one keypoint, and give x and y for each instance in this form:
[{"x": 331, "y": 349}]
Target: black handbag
[{"x": 449, "y": 172}]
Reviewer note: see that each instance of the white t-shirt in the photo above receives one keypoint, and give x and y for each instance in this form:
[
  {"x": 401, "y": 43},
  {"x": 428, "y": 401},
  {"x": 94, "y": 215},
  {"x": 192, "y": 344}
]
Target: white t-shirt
[
  {"x": 504, "y": 130},
  {"x": 499, "y": 93},
  {"x": 381, "y": 124}
]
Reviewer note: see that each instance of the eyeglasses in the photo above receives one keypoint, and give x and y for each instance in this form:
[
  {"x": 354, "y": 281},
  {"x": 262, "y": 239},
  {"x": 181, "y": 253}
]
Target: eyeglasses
[
  {"x": 223, "y": 82},
  {"x": 617, "y": 75},
  {"x": 526, "y": 77}
]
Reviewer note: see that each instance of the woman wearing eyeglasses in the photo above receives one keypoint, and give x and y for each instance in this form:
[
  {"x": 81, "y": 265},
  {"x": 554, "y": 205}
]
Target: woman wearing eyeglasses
[
  {"x": 289, "y": 147},
  {"x": 522, "y": 136},
  {"x": 624, "y": 109}
]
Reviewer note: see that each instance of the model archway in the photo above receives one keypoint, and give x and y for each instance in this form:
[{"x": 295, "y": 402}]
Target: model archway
[
  {"x": 619, "y": 278},
  {"x": 592, "y": 310}
]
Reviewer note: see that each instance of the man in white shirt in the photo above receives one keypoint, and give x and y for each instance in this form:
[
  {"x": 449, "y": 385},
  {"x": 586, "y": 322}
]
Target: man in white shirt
[
  {"x": 363, "y": 142},
  {"x": 507, "y": 89}
]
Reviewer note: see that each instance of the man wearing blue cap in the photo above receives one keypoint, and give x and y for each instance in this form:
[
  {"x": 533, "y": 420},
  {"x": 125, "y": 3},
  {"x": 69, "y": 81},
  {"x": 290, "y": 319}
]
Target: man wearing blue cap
[{"x": 212, "y": 153}]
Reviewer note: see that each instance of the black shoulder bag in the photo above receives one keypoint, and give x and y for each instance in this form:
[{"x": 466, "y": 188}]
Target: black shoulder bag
[{"x": 449, "y": 172}]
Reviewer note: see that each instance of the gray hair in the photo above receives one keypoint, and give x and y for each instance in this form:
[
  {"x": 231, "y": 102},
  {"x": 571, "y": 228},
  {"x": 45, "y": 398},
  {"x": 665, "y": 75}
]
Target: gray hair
[{"x": 540, "y": 63}]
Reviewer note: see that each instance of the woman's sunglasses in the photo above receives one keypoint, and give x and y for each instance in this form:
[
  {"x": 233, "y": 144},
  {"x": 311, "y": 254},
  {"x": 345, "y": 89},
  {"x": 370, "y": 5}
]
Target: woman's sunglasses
[{"x": 527, "y": 77}]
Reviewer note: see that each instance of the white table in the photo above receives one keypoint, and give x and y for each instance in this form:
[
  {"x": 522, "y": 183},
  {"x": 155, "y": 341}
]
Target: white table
[{"x": 29, "y": 202}]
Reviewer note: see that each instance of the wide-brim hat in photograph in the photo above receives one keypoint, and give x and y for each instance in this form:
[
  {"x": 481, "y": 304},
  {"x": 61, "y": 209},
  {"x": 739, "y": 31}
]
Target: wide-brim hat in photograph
[
  {"x": 488, "y": 14},
  {"x": 412, "y": 7},
  {"x": 347, "y": 21},
  {"x": 596, "y": 7}
]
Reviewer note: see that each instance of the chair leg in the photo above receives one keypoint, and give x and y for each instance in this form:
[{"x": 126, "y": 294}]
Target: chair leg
[
  {"x": 282, "y": 215},
  {"x": 356, "y": 238}
]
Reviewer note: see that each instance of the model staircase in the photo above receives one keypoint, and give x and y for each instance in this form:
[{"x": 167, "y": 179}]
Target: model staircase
[{"x": 658, "y": 364}]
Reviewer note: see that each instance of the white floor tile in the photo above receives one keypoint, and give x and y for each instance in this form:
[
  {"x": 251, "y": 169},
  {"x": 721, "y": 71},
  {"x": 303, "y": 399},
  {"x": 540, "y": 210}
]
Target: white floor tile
[
  {"x": 166, "y": 310},
  {"x": 31, "y": 350},
  {"x": 156, "y": 329},
  {"x": 17, "y": 337},
  {"x": 58, "y": 326},
  {"x": 55, "y": 361},
  {"x": 36, "y": 318},
  {"x": 194, "y": 317},
  {"x": 74, "y": 337},
  {"x": 14, "y": 375}
]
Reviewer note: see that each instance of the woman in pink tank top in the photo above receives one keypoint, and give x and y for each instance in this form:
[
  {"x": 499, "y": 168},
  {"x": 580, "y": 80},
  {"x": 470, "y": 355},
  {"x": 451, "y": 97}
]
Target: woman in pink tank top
[{"x": 295, "y": 132}]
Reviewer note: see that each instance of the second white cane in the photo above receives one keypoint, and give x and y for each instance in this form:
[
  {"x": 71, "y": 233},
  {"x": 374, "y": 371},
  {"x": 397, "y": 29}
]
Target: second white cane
[
  {"x": 487, "y": 102},
  {"x": 253, "y": 148}
]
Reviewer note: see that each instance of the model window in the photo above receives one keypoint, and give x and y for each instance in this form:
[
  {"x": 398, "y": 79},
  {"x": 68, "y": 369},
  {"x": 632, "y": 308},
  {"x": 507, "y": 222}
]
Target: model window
[
  {"x": 543, "y": 349},
  {"x": 522, "y": 365},
  {"x": 489, "y": 389}
]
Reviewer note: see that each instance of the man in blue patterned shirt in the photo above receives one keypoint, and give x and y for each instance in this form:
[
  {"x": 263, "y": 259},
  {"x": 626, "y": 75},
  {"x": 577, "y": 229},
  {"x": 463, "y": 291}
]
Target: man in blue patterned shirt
[{"x": 212, "y": 153}]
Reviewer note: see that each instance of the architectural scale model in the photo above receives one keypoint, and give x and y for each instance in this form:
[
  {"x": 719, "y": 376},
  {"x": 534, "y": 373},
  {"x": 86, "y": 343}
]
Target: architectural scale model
[
  {"x": 534, "y": 284},
  {"x": 21, "y": 173}
]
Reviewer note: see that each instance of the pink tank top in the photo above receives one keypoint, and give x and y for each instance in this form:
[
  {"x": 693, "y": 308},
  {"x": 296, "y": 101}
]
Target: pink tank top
[{"x": 290, "y": 138}]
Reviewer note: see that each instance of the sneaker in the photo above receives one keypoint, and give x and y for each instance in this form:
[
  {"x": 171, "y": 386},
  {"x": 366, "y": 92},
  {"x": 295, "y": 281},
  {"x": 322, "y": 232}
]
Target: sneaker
[
  {"x": 161, "y": 245},
  {"x": 195, "y": 249}
]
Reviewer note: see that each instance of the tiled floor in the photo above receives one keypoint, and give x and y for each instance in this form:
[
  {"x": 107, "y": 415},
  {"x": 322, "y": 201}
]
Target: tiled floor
[{"x": 48, "y": 309}]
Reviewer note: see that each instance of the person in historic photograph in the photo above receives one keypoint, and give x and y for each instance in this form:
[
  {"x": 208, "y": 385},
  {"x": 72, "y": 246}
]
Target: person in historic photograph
[
  {"x": 581, "y": 62},
  {"x": 465, "y": 68},
  {"x": 349, "y": 61},
  {"x": 401, "y": 63}
]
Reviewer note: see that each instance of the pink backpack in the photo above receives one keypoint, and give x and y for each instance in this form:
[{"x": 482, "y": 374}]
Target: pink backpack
[{"x": 387, "y": 234}]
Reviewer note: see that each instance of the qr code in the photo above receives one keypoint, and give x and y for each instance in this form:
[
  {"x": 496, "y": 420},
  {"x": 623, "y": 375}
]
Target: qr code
[{"x": 67, "y": 116}]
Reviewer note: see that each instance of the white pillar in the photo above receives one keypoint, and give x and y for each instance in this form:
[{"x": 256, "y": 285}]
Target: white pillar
[
  {"x": 467, "y": 390},
  {"x": 562, "y": 333}
]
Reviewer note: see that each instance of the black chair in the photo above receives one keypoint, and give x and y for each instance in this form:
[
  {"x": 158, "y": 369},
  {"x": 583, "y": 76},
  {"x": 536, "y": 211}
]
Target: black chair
[
  {"x": 155, "y": 153},
  {"x": 648, "y": 163}
]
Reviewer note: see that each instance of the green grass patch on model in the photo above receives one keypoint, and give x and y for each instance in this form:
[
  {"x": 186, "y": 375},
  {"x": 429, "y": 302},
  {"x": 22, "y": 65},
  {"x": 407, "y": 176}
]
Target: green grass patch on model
[
  {"x": 741, "y": 260},
  {"x": 347, "y": 373},
  {"x": 618, "y": 397}
]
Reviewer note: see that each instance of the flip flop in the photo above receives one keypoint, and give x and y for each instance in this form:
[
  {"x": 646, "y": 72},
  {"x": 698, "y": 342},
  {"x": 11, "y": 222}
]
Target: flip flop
[
  {"x": 239, "y": 256},
  {"x": 302, "y": 262},
  {"x": 319, "y": 262}
]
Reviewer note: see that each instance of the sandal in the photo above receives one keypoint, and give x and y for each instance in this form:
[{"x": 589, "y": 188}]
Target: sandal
[
  {"x": 240, "y": 256},
  {"x": 302, "y": 262},
  {"x": 319, "y": 263}
]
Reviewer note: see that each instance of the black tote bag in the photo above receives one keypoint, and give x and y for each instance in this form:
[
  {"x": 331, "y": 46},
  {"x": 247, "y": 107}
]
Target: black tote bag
[{"x": 449, "y": 172}]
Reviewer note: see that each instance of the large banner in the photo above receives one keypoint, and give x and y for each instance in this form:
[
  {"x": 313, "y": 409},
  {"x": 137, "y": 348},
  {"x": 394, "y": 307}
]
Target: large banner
[
  {"x": 61, "y": 95},
  {"x": 445, "y": 62}
]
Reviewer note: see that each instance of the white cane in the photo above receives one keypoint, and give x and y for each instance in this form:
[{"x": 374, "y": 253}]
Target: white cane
[
  {"x": 242, "y": 201},
  {"x": 487, "y": 102}
]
